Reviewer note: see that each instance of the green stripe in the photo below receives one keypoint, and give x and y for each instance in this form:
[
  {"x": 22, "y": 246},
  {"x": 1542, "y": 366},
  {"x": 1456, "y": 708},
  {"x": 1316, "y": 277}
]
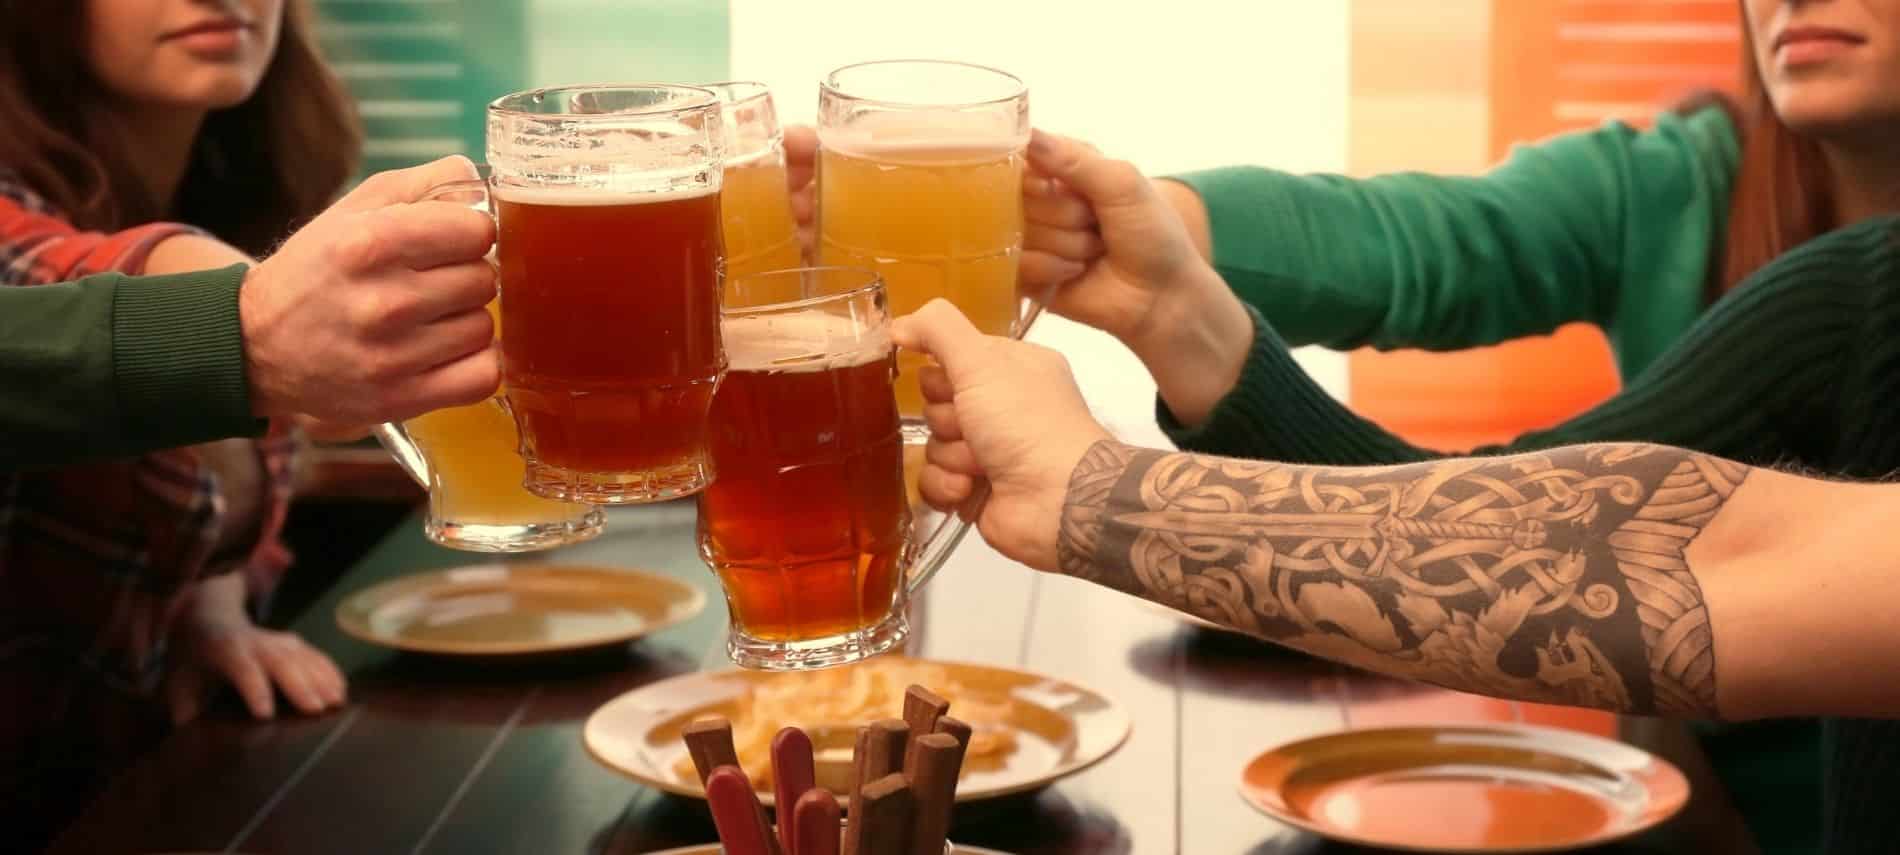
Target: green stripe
[{"x": 426, "y": 71}]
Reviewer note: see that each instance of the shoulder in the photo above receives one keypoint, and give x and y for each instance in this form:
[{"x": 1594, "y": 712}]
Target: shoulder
[
  {"x": 1855, "y": 268},
  {"x": 1868, "y": 250}
]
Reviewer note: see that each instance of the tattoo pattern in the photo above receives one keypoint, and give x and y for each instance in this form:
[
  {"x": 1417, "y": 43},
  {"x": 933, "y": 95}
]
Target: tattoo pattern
[{"x": 1550, "y": 577}]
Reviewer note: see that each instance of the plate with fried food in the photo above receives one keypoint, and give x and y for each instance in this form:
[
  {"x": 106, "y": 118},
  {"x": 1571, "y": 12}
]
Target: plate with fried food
[{"x": 1026, "y": 730}]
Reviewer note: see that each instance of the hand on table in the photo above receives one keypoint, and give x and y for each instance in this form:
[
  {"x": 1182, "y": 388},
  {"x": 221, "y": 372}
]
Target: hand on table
[{"x": 219, "y": 642}]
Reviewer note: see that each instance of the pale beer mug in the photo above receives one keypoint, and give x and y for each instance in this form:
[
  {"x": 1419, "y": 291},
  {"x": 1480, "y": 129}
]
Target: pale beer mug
[
  {"x": 754, "y": 203},
  {"x": 606, "y": 201},
  {"x": 920, "y": 178},
  {"x": 808, "y": 525},
  {"x": 468, "y": 459}
]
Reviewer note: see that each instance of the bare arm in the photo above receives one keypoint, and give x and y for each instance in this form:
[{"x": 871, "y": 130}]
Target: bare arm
[
  {"x": 1635, "y": 578},
  {"x": 189, "y": 252}
]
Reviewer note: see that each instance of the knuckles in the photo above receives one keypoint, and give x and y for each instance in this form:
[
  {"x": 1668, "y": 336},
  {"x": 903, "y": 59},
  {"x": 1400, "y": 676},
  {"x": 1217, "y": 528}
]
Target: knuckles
[{"x": 360, "y": 247}]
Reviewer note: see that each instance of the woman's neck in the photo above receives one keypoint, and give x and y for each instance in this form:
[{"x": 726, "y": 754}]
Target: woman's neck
[
  {"x": 1866, "y": 180},
  {"x": 158, "y": 147}
]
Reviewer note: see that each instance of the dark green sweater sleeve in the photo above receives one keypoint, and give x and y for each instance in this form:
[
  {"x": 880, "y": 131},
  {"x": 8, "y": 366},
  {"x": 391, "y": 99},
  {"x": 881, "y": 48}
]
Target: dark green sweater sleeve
[
  {"x": 113, "y": 365},
  {"x": 1551, "y": 236},
  {"x": 1757, "y": 379}
]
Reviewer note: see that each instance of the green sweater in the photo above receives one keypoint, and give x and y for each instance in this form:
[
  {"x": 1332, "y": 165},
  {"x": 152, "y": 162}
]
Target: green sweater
[
  {"x": 1761, "y": 378},
  {"x": 114, "y": 365},
  {"x": 1611, "y": 226}
]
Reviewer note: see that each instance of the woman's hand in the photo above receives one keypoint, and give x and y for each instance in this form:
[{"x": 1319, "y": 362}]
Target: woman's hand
[
  {"x": 1099, "y": 242},
  {"x": 1104, "y": 247},
  {"x": 218, "y": 640}
]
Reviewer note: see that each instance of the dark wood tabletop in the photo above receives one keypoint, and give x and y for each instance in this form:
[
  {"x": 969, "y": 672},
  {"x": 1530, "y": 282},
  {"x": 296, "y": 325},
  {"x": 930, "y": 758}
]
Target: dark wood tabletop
[{"x": 440, "y": 755}]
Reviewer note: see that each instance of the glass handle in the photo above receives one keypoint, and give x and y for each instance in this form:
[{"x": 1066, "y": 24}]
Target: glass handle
[
  {"x": 394, "y": 437},
  {"x": 1030, "y": 313},
  {"x": 396, "y": 441},
  {"x": 944, "y": 537}
]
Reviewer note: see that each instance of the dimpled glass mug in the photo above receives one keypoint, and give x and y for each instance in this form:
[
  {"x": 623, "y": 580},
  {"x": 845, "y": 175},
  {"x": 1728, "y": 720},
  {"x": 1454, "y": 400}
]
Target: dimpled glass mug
[
  {"x": 809, "y": 526},
  {"x": 607, "y": 204}
]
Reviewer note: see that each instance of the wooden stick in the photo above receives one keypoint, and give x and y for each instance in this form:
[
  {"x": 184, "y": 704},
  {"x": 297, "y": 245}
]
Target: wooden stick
[
  {"x": 956, "y": 728},
  {"x": 814, "y": 823},
  {"x": 710, "y": 743},
  {"x": 793, "y": 774},
  {"x": 933, "y": 791},
  {"x": 880, "y": 752},
  {"x": 737, "y": 813},
  {"x": 886, "y": 821},
  {"x": 922, "y": 709}
]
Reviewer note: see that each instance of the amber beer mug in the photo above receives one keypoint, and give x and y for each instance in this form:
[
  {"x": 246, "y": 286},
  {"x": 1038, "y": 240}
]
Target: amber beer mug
[
  {"x": 920, "y": 178},
  {"x": 808, "y": 526},
  {"x": 607, "y": 199}
]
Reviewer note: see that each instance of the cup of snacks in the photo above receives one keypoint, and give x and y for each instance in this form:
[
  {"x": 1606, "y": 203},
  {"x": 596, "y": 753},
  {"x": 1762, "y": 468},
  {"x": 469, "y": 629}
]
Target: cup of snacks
[{"x": 901, "y": 787}]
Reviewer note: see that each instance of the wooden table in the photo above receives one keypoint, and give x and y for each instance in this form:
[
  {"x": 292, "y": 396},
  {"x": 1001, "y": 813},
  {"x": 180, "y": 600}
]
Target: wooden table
[{"x": 440, "y": 756}]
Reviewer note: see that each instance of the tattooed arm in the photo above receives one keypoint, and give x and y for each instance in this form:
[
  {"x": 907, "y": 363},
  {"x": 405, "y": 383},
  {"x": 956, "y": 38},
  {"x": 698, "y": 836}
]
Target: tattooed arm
[{"x": 1638, "y": 578}]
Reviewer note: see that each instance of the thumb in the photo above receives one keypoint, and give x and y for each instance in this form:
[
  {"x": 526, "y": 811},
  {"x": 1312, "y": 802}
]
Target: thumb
[
  {"x": 941, "y": 331},
  {"x": 1100, "y": 180},
  {"x": 397, "y": 186}
]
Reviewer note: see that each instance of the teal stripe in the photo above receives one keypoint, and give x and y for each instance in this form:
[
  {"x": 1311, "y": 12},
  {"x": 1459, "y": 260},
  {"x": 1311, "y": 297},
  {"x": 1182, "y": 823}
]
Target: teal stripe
[
  {"x": 425, "y": 71},
  {"x": 584, "y": 41}
]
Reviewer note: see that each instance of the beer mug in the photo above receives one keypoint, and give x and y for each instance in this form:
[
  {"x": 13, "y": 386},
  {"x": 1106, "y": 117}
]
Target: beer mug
[
  {"x": 755, "y": 205},
  {"x": 468, "y": 459},
  {"x": 607, "y": 205},
  {"x": 808, "y": 525},
  {"x": 920, "y": 178}
]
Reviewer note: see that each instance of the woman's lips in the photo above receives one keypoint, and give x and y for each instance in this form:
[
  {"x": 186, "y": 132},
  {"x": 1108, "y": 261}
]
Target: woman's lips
[{"x": 1799, "y": 46}]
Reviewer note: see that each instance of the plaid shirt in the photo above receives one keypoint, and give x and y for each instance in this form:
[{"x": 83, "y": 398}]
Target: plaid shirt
[{"x": 97, "y": 560}]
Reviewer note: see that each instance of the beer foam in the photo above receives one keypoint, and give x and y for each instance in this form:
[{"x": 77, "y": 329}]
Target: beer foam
[
  {"x": 807, "y": 340},
  {"x": 579, "y": 196},
  {"x": 767, "y": 157},
  {"x": 983, "y": 136}
]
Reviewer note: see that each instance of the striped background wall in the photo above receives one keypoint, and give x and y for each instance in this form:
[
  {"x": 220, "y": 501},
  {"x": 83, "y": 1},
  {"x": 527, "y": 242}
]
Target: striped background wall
[
  {"x": 423, "y": 69},
  {"x": 1453, "y": 94}
]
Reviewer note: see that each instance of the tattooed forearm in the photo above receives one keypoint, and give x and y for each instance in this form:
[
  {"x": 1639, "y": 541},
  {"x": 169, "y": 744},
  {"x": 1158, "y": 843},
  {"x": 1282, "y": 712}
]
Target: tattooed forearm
[{"x": 1554, "y": 577}]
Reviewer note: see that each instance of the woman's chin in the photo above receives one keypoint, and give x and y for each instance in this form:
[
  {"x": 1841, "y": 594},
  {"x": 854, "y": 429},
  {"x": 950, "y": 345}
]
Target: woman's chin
[{"x": 1828, "y": 111}]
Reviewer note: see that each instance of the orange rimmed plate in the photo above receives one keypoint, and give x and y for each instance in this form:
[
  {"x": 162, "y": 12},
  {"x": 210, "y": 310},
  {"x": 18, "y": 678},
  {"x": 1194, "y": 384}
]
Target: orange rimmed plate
[
  {"x": 1465, "y": 789},
  {"x": 1060, "y": 728},
  {"x": 510, "y": 609}
]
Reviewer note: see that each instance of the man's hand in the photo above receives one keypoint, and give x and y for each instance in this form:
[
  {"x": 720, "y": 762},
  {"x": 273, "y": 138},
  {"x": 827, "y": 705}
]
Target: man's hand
[
  {"x": 374, "y": 311},
  {"x": 1003, "y": 412}
]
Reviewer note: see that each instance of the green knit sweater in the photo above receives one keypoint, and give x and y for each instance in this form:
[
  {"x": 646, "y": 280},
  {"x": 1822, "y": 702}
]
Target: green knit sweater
[
  {"x": 112, "y": 365},
  {"x": 1612, "y": 226}
]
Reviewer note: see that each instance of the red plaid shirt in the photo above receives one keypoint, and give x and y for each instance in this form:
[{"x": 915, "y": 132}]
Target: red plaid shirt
[{"x": 96, "y": 560}]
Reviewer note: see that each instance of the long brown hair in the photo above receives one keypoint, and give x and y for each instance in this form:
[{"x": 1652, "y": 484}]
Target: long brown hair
[
  {"x": 1783, "y": 193},
  {"x": 258, "y": 169}
]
